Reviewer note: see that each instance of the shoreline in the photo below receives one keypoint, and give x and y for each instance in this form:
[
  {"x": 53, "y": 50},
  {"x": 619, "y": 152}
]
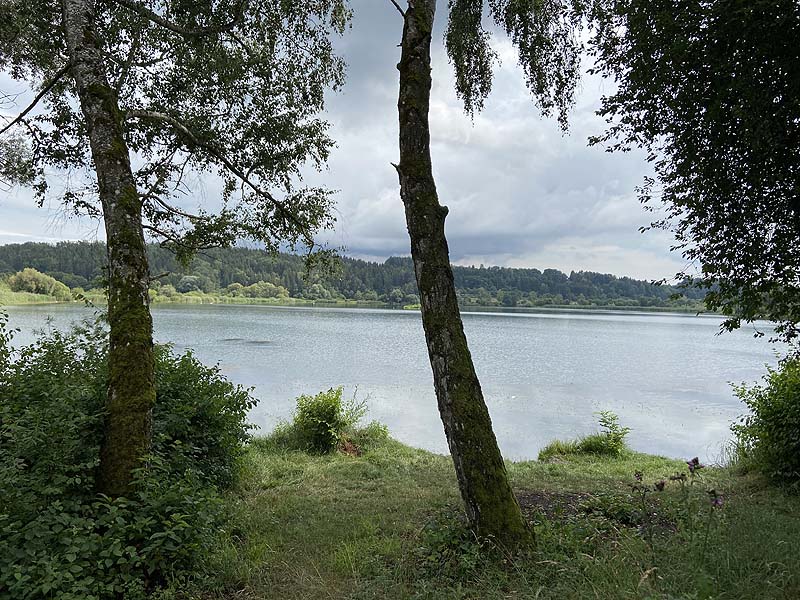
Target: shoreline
[{"x": 361, "y": 304}]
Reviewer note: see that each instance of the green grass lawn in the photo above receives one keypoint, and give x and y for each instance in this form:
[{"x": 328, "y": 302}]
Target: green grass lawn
[{"x": 387, "y": 524}]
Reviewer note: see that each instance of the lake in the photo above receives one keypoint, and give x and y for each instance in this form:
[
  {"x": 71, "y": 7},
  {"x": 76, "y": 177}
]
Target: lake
[{"x": 544, "y": 374}]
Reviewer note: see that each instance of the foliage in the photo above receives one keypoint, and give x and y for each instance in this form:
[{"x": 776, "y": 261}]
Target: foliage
[
  {"x": 612, "y": 435},
  {"x": 8, "y": 298},
  {"x": 14, "y": 161},
  {"x": 322, "y": 420},
  {"x": 542, "y": 32},
  {"x": 610, "y": 441},
  {"x": 260, "y": 289},
  {"x": 325, "y": 422},
  {"x": 449, "y": 549},
  {"x": 243, "y": 272},
  {"x": 710, "y": 90},
  {"x": 58, "y": 538},
  {"x": 200, "y": 418},
  {"x": 768, "y": 439},
  {"x": 219, "y": 86},
  {"x": 31, "y": 280},
  {"x": 319, "y": 420}
]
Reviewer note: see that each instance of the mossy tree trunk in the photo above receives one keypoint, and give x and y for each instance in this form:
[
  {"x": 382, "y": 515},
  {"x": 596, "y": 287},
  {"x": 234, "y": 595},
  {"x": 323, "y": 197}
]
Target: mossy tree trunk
[
  {"x": 131, "y": 388},
  {"x": 490, "y": 503}
]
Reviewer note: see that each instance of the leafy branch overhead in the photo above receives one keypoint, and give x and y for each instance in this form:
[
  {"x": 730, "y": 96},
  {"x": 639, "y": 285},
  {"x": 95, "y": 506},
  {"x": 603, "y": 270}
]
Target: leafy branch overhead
[
  {"x": 228, "y": 87},
  {"x": 544, "y": 33},
  {"x": 712, "y": 91},
  {"x": 709, "y": 89}
]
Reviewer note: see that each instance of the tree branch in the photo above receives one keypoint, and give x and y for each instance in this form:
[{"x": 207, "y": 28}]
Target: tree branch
[
  {"x": 126, "y": 66},
  {"x": 220, "y": 155},
  {"x": 50, "y": 85},
  {"x": 172, "y": 209},
  {"x": 154, "y": 17},
  {"x": 175, "y": 240},
  {"x": 397, "y": 6},
  {"x": 162, "y": 175}
]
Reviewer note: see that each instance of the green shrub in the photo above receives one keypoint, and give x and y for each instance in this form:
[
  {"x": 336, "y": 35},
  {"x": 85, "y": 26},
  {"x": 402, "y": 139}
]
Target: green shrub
[
  {"x": 200, "y": 418},
  {"x": 60, "y": 539},
  {"x": 768, "y": 439},
  {"x": 31, "y": 280},
  {"x": 319, "y": 420},
  {"x": 610, "y": 441},
  {"x": 325, "y": 422}
]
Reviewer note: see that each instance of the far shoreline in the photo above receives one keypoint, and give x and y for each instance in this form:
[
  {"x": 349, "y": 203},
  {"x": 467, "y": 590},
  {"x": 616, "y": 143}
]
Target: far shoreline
[{"x": 195, "y": 300}]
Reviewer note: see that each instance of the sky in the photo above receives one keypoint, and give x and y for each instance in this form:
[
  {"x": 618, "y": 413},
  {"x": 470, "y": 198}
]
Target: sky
[{"x": 520, "y": 192}]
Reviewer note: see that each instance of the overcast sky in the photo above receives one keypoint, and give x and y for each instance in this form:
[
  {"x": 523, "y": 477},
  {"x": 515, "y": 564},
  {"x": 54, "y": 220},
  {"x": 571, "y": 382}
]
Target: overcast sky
[{"x": 520, "y": 193}]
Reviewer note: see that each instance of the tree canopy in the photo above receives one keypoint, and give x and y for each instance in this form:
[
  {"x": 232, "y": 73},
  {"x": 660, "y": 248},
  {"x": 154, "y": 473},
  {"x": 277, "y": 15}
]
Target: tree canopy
[
  {"x": 228, "y": 87},
  {"x": 545, "y": 36},
  {"x": 711, "y": 89},
  {"x": 141, "y": 95}
]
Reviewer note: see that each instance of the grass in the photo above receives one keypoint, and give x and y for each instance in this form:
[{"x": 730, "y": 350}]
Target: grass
[
  {"x": 386, "y": 524},
  {"x": 609, "y": 441},
  {"x": 8, "y": 297}
]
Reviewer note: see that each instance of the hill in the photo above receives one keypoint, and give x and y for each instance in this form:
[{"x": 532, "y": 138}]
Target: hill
[{"x": 245, "y": 272}]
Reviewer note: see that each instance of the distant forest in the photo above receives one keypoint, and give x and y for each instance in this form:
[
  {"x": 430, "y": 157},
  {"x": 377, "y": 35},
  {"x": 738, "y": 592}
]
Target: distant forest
[{"x": 249, "y": 272}]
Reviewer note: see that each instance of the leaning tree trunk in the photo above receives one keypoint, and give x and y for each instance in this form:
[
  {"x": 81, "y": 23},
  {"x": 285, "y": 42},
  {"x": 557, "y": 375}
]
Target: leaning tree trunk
[
  {"x": 131, "y": 386},
  {"x": 490, "y": 503}
]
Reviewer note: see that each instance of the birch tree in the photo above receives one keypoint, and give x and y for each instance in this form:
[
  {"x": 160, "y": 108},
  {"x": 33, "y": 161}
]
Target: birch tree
[
  {"x": 549, "y": 55},
  {"x": 138, "y": 95}
]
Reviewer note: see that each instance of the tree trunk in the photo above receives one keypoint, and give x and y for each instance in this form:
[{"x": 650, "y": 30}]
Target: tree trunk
[
  {"x": 490, "y": 503},
  {"x": 131, "y": 387}
]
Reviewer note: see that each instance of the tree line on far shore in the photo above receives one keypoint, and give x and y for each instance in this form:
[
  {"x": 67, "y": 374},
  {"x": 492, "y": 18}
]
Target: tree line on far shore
[{"x": 253, "y": 273}]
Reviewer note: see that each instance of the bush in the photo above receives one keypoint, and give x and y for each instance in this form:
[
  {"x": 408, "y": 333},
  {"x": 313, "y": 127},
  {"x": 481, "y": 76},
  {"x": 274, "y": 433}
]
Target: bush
[
  {"x": 609, "y": 442},
  {"x": 325, "y": 422},
  {"x": 320, "y": 420},
  {"x": 58, "y": 538},
  {"x": 31, "y": 280},
  {"x": 611, "y": 439},
  {"x": 260, "y": 289},
  {"x": 768, "y": 439},
  {"x": 200, "y": 418}
]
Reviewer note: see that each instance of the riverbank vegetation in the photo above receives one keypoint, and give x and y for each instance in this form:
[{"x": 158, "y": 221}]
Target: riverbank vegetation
[
  {"x": 327, "y": 506},
  {"x": 242, "y": 275},
  {"x": 128, "y": 471},
  {"x": 59, "y": 537},
  {"x": 386, "y": 524}
]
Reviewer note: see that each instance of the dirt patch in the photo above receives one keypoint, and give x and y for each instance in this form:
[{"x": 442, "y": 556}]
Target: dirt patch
[
  {"x": 619, "y": 509},
  {"x": 551, "y": 504},
  {"x": 348, "y": 447}
]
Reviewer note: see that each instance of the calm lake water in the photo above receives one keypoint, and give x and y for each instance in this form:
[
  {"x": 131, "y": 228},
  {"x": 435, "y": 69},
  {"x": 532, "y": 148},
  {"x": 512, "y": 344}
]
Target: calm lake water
[{"x": 544, "y": 374}]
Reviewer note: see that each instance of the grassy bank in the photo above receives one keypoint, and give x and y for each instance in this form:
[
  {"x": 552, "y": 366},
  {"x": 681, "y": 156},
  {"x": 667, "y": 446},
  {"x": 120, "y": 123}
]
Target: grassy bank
[
  {"x": 385, "y": 525},
  {"x": 10, "y": 298}
]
